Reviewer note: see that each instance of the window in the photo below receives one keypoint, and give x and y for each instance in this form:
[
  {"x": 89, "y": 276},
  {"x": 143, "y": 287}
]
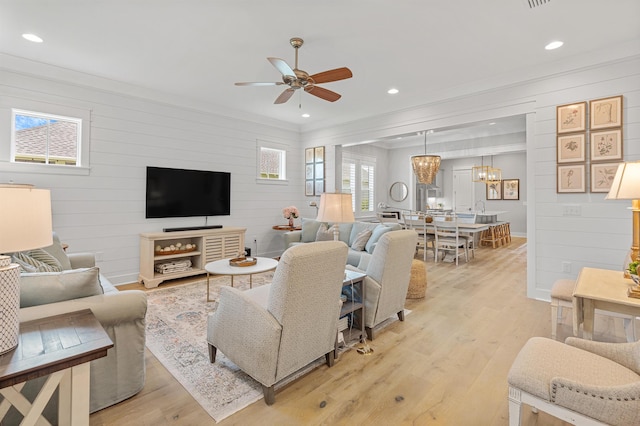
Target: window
[
  {"x": 45, "y": 138},
  {"x": 272, "y": 164},
  {"x": 358, "y": 176}
]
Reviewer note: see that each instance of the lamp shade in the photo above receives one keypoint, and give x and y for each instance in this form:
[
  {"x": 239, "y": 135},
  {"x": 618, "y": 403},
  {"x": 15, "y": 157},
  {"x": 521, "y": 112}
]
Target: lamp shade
[
  {"x": 335, "y": 207},
  {"x": 626, "y": 182},
  {"x": 425, "y": 167},
  {"x": 25, "y": 218}
]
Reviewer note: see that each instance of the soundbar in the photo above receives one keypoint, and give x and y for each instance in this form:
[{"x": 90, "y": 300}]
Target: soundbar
[{"x": 192, "y": 228}]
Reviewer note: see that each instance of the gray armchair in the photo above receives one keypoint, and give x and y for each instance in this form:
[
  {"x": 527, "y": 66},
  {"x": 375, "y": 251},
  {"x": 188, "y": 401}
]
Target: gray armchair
[
  {"x": 274, "y": 330},
  {"x": 581, "y": 382},
  {"x": 388, "y": 272}
]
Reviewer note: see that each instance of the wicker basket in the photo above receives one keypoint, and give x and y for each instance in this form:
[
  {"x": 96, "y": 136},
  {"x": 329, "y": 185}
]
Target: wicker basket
[{"x": 418, "y": 282}]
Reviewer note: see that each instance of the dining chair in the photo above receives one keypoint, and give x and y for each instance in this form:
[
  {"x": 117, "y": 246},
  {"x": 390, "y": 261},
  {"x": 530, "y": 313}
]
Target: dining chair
[
  {"x": 447, "y": 239},
  {"x": 426, "y": 239},
  {"x": 469, "y": 237}
]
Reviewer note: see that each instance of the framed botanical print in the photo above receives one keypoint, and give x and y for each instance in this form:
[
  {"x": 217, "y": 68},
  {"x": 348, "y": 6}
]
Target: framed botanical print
[
  {"x": 308, "y": 187},
  {"x": 571, "y": 178},
  {"x": 571, "y": 148},
  {"x": 314, "y": 171},
  {"x": 606, "y": 145},
  {"x": 571, "y": 117},
  {"x": 511, "y": 189},
  {"x": 602, "y": 176},
  {"x": 308, "y": 155},
  {"x": 494, "y": 190},
  {"x": 605, "y": 113}
]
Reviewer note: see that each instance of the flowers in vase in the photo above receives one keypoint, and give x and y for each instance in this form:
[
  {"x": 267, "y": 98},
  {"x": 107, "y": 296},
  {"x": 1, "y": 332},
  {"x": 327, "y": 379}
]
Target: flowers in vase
[{"x": 290, "y": 212}]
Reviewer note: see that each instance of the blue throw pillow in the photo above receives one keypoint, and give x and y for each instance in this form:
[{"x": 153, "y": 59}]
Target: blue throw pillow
[
  {"x": 309, "y": 230},
  {"x": 375, "y": 236}
]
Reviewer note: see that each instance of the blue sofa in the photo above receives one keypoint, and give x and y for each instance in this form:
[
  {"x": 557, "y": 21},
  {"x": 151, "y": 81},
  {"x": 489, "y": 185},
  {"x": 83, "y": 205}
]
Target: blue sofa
[{"x": 348, "y": 234}]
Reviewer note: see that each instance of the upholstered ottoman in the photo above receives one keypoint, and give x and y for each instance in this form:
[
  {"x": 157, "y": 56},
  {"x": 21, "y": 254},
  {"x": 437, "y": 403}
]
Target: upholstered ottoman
[{"x": 418, "y": 282}]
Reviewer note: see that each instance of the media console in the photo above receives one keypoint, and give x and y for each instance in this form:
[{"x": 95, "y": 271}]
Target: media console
[{"x": 211, "y": 244}]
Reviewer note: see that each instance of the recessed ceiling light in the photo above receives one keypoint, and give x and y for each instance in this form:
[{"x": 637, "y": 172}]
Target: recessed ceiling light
[
  {"x": 553, "y": 45},
  {"x": 392, "y": 91},
  {"x": 305, "y": 115},
  {"x": 32, "y": 37},
  {"x": 493, "y": 123}
]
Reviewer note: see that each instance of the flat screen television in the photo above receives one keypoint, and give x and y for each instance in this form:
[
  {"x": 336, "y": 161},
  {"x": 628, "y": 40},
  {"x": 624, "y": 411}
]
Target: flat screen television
[{"x": 185, "y": 193}]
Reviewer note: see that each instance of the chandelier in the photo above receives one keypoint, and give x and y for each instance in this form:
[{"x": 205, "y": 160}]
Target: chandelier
[
  {"x": 486, "y": 174},
  {"x": 425, "y": 166}
]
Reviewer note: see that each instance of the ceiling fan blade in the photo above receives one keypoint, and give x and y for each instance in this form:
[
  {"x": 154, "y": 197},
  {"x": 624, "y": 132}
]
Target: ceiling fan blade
[
  {"x": 322, "y": 93},
  {"x": 284, "y": 96},
  {"x": 258, "y": 83},
  {"x": 332, "y": 75},
  {"x": 282, "y": 66}
]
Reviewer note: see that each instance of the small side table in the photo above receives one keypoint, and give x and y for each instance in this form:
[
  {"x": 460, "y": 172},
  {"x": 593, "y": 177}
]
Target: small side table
[
  {"x": 60, "y": 347},
  {"x": 353, "y": 278},
  {"x": 286, "y": 228}
]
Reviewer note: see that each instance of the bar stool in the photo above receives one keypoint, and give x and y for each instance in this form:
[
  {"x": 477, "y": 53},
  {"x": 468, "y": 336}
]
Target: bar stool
[{"x": 562, "y": 297}]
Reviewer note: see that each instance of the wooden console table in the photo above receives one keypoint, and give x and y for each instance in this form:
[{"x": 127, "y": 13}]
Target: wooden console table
[
  {"x": 601, "y": 289},
  {"x": 60, "y": 347}
]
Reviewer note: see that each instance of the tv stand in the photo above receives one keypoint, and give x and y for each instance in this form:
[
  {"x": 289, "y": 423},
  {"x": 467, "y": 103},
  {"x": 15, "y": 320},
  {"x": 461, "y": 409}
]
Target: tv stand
[
  {"x": 192, "y": 228},
  {"x": 211, "y": 244}
]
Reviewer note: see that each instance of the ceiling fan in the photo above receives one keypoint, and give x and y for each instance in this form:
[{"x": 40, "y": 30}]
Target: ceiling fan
[{"x": 298, "y": 79}]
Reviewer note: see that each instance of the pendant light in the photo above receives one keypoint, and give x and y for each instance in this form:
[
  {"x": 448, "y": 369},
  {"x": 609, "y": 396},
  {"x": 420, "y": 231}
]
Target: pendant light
[
  {"x": 495, "y": 174},
  {"x": 480, "y": 173},
  {"x": 425, "y": 166}
]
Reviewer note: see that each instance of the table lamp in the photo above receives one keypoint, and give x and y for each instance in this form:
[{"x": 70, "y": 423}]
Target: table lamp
[
  {"x": 336, "y": 208},
  {"x": 626, "y": 186},
  {"x": 25, "y": 223}
]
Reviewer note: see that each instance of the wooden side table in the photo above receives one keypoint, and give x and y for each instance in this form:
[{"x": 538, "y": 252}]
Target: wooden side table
[
  {"x": 60, "y": 347},
  {"x": 286, "y": 228}
]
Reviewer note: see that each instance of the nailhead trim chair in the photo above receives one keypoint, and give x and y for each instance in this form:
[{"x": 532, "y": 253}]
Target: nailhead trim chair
[{"x": 581, "y": 382}]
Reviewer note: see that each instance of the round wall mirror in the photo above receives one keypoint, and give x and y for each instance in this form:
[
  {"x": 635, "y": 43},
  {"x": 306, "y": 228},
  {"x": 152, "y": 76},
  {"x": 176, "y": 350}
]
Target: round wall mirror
[{"x": 398, "y": 191}]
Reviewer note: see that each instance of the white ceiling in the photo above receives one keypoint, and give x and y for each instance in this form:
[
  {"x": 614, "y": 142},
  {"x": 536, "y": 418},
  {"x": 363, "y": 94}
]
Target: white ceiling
[{"x": 429, "y": 50}]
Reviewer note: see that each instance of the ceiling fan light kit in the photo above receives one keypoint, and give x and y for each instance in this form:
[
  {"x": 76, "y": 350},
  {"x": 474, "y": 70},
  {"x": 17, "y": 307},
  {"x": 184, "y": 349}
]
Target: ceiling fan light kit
[{"x": 296, "y": 78}]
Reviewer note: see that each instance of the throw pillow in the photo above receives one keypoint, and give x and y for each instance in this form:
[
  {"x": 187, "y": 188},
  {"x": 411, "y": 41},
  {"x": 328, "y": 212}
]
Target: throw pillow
[
  {"x": 375, "y": 236},
  {"x": 324, "y": 233},
  {"x": 49, "y": 287},
  {"x": 309, "y": 230},
  {"x": 37, "y": 260},
  {"x": 361, "y": 240}
]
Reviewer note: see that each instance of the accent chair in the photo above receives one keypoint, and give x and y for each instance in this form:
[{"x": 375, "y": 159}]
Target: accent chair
[{"x": 272, "y": 331}]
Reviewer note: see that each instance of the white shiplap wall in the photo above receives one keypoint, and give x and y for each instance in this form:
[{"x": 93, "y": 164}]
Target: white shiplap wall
[
  {"x": 103, "y": 211},
  {"x": 600, "y": 237}
]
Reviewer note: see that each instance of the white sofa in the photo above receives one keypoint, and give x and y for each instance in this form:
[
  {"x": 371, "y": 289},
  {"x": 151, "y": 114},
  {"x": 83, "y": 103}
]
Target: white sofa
[
  {"x": 119, "y": 375},
  {"x": 348, "y": 234}
]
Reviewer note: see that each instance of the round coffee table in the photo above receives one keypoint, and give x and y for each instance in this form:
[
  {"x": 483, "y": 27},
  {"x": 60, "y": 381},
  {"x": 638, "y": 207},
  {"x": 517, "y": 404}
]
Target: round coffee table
[{"x": 222, "y": 267}]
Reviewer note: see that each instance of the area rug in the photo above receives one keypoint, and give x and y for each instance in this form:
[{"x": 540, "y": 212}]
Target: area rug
[{"x": 177, "y": 337}]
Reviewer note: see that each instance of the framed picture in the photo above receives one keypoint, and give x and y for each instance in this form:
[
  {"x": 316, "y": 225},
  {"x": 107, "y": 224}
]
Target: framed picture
[
  {"x": 571, "y": 117},
  {"x": 572, "y": 178},
  {"x": 494, "y": 190},
  {"x": 308, "y": 155},
  {"x": 308, "y": 171},
  {"x": 308, "y": 187},
  {"x": 319, "y": 171},
  {"x": 571, "y": 148},
  {"x": 602, "y": 176},
  {"x": 606, "y": 145},
  {"x": 319, "y": 154},
  {"x": 511, "y": 189},
  {"x": 605, "y": 113},
  {"x": 319, "y": 187}
]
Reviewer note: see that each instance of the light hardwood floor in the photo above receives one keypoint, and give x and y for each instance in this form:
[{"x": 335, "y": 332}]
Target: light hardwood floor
[{"x": 446, "y": 364}]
